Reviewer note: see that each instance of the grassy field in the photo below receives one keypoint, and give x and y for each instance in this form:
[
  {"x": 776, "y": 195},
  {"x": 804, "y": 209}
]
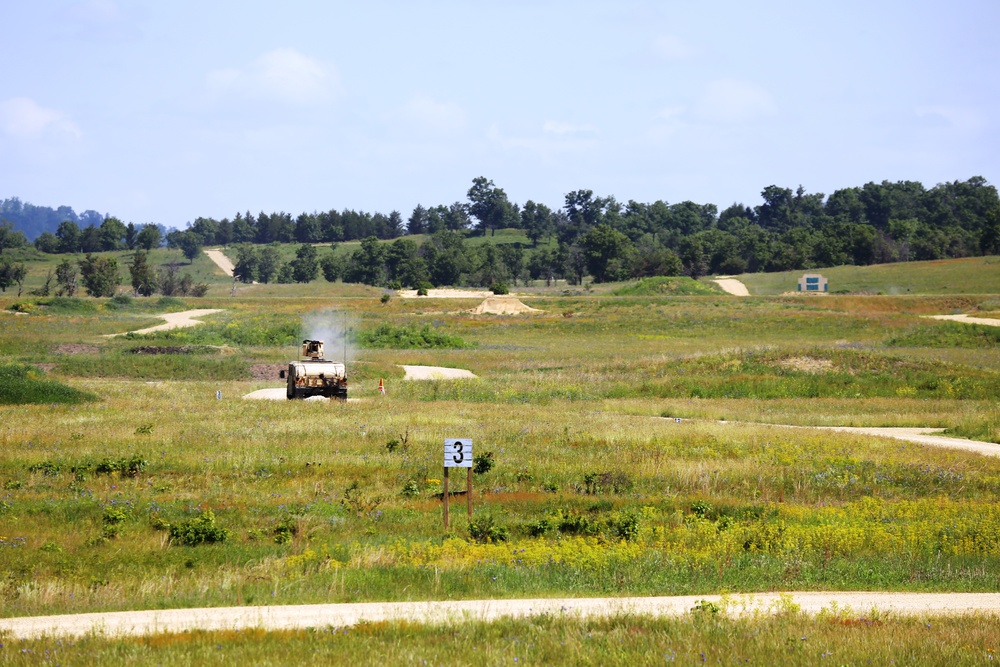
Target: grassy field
[
  {"x": 972, "y": 275},
  {"x": 157, "y": 494}
]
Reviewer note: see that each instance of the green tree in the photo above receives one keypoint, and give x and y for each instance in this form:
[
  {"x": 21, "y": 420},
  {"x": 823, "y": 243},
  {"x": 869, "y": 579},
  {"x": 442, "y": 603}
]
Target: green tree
[
  {"x": 12, "y": 273},
  {"x": 66, "y": 275},
  {"x": 247, "y": 263},
  {"x": 417, "y": 223},
  {"x": 47, "y": 242},
  {"x": 305, "y": 266},
  {"x": 100, "y": 275},
  {"x": 143, "y": 276},
  {"x": 268, "y": 264},
  {"x": 68, "y": 234},
  {"x": 608, "y": 253},
  {"x": 488, "y": 204},
  {"x": 112, "y": 234},
  {"x": 10, "y": 237},
  {"x": 190, "y": 244},
  {"x": 149, "y": 237},
  {"x": 332, "y": 266},
  {"x": 536, "y": 220},
  {"x": 367, "y": 263}
]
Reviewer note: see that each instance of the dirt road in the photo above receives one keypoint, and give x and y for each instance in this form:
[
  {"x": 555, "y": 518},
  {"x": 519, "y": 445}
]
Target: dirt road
[
  {"x": 732, "y": 286},
  {"x": 221, "y": 261},
  {"x": 436, "y": 373},
  {"x": 175, "y": 321},
  {"x": 990, "y": 322},
  {"x": 138, "y": 623}
]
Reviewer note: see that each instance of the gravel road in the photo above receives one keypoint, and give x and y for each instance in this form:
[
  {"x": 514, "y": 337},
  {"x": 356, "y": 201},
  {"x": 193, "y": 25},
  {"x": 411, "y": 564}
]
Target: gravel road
[
  {"x": 138, "y": 623},
  {"x": 221, "y": 261}
]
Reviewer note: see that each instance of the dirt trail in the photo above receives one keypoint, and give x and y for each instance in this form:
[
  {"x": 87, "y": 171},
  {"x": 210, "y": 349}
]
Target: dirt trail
[
  {"x": 138, "y": 623},
  {"x": 966, "y": 319},
  {"x": 221, "y": 261},
  {"x": 732, "y": 286},
  {"x": 436, "y": 373},
  {"x": 179, "y": 320},
  {"x": 921, "y": 436}
]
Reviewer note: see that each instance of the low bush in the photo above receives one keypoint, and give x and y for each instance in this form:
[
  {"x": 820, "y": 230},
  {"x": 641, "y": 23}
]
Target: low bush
[
  {"x": 387, "y": 336},
  {"x": 485, "y": 529},
  {"x": 199, "y": 530},
  {"x": 21, "y": 384}
]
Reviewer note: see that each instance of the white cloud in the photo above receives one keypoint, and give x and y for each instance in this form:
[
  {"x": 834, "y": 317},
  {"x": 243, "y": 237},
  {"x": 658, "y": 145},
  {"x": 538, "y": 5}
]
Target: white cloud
[
  {"x": 563, "y": 129},
  {"x": 433, "y": 115},
  {"x": 284, "y": 75},
  {"x": 544, "y": 146},
  {"x": 671, "y": 49},
  {"x": 958, "y": 118},
  {"x": 731, "y": 101},
  {"x": 23, "y": 118}
]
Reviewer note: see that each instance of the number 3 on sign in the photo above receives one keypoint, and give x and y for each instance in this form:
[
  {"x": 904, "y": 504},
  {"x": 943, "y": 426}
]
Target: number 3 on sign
[{"x": 458, "y": 453}]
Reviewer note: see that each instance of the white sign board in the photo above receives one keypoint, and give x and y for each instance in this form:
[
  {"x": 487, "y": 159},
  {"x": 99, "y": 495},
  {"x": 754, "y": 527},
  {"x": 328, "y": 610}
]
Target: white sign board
[{"x": 458, "y": 453}]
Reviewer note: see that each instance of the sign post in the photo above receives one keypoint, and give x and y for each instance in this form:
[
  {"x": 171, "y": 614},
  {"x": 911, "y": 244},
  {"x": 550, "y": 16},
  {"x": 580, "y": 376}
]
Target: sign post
[{"x": 457, "y": 454}]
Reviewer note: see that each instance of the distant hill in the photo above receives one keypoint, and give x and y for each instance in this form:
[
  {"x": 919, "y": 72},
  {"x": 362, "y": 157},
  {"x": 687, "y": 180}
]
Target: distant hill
[{"x": 33, "y": 220}]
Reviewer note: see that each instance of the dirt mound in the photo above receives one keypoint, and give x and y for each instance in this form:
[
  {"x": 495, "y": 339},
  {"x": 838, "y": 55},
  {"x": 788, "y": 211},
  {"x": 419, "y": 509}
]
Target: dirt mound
[{"x": 503, "y": 305}]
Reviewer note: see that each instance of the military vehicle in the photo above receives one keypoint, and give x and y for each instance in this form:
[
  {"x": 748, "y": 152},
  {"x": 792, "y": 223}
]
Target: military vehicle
[{"x": 312, "y": 375}]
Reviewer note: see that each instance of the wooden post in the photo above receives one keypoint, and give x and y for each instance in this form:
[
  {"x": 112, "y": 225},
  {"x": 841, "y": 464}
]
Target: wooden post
[
  {"x": 445, "y": 497},
  {"x": 468, "y": 492}
]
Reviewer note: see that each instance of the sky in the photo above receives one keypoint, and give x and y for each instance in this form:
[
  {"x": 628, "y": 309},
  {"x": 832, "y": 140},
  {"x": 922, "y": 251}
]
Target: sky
[{"x": 163, "y": 112}]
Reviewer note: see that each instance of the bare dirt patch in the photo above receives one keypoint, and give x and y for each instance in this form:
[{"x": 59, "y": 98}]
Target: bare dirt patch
[
  {"x": 77, "y": 348},
  {"x": 503, "y": 305},
  {"x": 436, "y": 373},
  {"x": 966, "y": 319},
  {"x": 266, "y": 371},
  {"x": 807, "y": 364},
  {"x": 732, "y": 286}
]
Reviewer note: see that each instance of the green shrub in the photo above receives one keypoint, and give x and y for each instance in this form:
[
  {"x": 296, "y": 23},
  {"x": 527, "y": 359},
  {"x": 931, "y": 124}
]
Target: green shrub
[
  {"x": 286, "y": 530},
  {"x": 126, "y": 467},
  {"x": 387, "y": 336},
  {"x": 500, "y": 288},
  {"x": 483, "y": 463},
  {"x": 485, "y": 529},
  {"x": 199, "y": 530},
  {"x": 23, "y": 307}
]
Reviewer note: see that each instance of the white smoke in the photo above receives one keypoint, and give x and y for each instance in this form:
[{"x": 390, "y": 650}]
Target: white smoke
[{"x": 335, "y": 329}]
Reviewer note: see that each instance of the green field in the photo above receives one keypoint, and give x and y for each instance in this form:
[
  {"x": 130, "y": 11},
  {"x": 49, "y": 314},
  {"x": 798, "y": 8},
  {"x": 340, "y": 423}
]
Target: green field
[
  {"x": 156, "y": 494},
  {"x": 972, "y": 275}
]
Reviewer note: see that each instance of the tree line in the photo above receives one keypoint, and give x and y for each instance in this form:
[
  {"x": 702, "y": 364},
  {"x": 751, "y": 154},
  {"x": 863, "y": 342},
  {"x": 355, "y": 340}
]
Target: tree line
[{"x": 590, "y": 235}]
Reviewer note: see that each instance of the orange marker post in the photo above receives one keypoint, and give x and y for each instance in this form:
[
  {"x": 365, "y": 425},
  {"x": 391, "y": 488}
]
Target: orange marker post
[{"x": 381, "y": 387}]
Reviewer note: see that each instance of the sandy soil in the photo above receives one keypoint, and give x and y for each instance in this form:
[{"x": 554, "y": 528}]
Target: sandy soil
[
  {"x": 221, "y": 261},
  {"x": 503, "y": 305},
  {"x": 278, "y": 394},
  {"x": 445, "y": 294},
  {"x": 138, "y": 623},
  {"x": 732, "y": 286},
  {"x": 967, "y": 319},
  {"x": 436, "y": 373},
  {"x": 175, "y": 321}
]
